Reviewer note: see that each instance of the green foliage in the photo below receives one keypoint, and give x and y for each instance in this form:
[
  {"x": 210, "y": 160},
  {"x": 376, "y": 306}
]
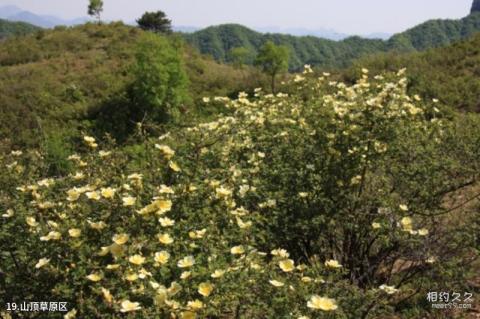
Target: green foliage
[
  {"x": 77, "y": 78},
  {"x": 56, "y": 148},
  {"x": 156, "y": 22},
  {"x": 273, "y": 60},
  {"x": 240, "y": 56},
  {"x": 334, "y": 201},
  {"x": 95, "y": 8},
  {"x": 219, "y": 40},
  {"x": 13, "y": 29},
  {"x": 160, "y": 82},
  {"x": 449, "y": 74}
]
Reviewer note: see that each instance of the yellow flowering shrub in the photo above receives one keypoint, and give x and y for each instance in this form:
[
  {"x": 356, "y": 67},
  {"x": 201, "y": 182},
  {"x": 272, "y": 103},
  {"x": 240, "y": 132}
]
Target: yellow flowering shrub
[{"x": 323, "y": 202}]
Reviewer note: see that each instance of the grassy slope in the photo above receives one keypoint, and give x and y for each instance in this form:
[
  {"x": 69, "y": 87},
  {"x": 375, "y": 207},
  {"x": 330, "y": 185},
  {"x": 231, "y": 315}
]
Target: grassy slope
[{"x": 57, "y": 79}]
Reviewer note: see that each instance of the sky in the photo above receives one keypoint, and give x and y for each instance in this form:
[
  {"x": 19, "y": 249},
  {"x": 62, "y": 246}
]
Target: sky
[{"x": 345, "y": 16}]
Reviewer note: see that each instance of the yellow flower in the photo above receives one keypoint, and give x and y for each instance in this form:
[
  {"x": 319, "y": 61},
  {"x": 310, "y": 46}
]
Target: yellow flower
[
  {"x": 73, "y": 194},
  {"x": 78, "y": 176},
  {"x": 166, "y": 150},
  {"x": 205, "y": 289},
  {"x": 174, "y": 166},
  {"x": 74, "y": 232},
  {"x": 104, "y": 153},
  {"x": 306, "y": 279},
  {"x": 31, "y": 221},
  {"x": 120, "y": 239},
  {"x": 195, "y": 305},
  {"x": 223, "y": 192},
  {"x": 276, "y": 283},
  {"x": 186, "y": 262},
  {"x": 162, "y": 257},
  {"x": 116, "y": 250},
  {"x": 242, "y": 224},
  {"x": 287, "y": 265},
  {"x": 136, "y": 260},
  {"x": 128, "y": 306},
  {"x": 166, "y": 222},
  {"x": 8, "y": 214},
  {"x": 93, "y": 195},
  {"x": 322, "y": 303},
  {"x": 42, "y": 262},
  {"x": 197, "y": 234},
  {"x": 108, "y": 192},
  {"x": 113, "y": 266},
  {"x": 53, "y": 235},
  {"x": 103, "y": 251},
  {"x": 165, "y": 239},
  {"x": 218, "y": 273},
  {"x": 94, "y": 277},
  {"x": 388, "y": 289},
  {"x": 174, "y": 288},
  {"x": 423, "y": 232},
  {"x": 89, "y": 139},
  {"x": 131, "y": 276},
  {"x": 237, "y": 250},
  {"x": 71, "y": 314},
  {"x": 376, "y": 225},
  {"x": 107, "y": 295},
  {"x": 128, "y": 200},
  {"x": 185, "y": 275},
  {"x": 406, "y": 223},
  {"x": 280, "y": 253},
  {"x": 188, "y": 315},
  {"x": 403, "y": 207},
  {"x": 332, "y": 263},
  {"x": 165, "y": 190},
  {"x": 163, "y": 206},
  {"x": 97, "y": 226},
  {"x": 135, "y": 176}
]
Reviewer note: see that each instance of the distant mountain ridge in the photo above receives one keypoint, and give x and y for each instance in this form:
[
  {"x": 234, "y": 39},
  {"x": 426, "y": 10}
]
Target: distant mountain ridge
[
  {"x": 217, "y": 41},
  {"x": 13, "y": 13}
]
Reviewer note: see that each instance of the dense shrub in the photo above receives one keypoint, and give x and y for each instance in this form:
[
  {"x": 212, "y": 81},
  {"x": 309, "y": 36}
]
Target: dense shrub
[
  {"x": 325, "y": 203},
  {"x": 160, "y": 81}
]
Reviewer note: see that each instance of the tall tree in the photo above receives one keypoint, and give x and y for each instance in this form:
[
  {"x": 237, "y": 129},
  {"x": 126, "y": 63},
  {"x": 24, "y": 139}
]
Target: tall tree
[
  {"x": 160, "y": 85},
  {"x": 273, "y": 59},
  {"x": 95, "y": 8},
  {"x": 156, "y": 22}
]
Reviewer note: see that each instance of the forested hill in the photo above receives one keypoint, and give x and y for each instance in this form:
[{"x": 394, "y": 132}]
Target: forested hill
[
  {"x": 218, "y": 41},
  {"x": 9, "y": 28}
]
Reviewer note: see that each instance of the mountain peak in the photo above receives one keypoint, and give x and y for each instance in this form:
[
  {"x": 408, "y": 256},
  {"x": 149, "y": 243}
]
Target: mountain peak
[{"x": 475, "y": 6}]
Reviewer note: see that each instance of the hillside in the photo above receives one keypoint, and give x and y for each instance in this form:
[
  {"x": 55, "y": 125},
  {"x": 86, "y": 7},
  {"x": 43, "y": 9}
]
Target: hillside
[
  {"x": 449, "y": 74},
  {"x": 59, "y": 80},
  {"x": 9, "y": 28},
  {"x": 217, "y": 41}
]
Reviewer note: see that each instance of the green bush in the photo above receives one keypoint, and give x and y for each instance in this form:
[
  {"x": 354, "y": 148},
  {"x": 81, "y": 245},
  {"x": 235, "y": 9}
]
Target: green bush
[
  {"x": 160, "y": 82},
  {"x": 334, "y": 201}
]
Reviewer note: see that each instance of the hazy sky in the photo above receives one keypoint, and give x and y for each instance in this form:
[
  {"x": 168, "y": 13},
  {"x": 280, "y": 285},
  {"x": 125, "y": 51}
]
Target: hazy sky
[{"x": 347, "y": 16}]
